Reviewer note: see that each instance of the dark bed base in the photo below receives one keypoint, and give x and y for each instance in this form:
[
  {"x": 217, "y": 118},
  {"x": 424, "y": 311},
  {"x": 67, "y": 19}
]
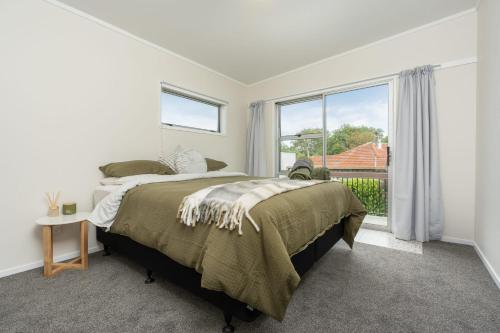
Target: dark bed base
[{"x": 188, "y": 278}]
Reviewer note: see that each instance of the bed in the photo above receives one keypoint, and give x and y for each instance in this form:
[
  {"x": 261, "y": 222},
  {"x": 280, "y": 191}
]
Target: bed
[{"x": 244, "y": 274}]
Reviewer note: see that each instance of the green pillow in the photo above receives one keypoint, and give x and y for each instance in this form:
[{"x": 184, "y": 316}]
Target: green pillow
[
  {"x": 214, "y": 165},
  {"x": 139, "y": 167}
]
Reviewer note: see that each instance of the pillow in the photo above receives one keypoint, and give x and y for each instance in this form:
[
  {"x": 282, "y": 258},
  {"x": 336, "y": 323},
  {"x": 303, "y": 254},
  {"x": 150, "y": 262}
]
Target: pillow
[
  {"x": 138, "y": 167},
  {"x": 214, "y": 165},
  {"x": 190, "y": 161},
  {"x": 169, "y": 160}
]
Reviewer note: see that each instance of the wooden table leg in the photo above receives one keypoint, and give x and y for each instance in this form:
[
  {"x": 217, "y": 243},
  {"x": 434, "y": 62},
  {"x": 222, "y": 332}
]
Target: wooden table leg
[
  {"x": 84, "y": 245},
  {"x": 48, "y": 250}
]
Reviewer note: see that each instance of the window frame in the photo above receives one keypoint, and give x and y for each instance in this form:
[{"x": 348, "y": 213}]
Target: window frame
[
  {"x": 323, "y": 95},
  {"x": 197, "y": 98}
]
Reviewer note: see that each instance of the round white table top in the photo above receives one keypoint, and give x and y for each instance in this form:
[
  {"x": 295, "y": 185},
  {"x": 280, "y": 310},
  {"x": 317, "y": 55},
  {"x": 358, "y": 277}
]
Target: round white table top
[{"x": 63, "y": 219}]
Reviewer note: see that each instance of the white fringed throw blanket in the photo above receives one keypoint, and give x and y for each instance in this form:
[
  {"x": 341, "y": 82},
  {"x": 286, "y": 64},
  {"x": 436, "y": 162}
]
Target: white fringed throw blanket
[{"x": 227, "y": 205}]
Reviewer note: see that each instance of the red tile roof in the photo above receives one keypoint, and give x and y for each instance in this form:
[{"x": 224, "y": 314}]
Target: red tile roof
[{"x": 368, "y": 156}]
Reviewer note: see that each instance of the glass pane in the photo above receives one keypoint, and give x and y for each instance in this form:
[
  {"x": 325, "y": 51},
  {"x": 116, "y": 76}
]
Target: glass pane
[
  {"x": 357, "y": 125},
  {"x": 302, "y": 118},
  {"x": 293, "y": 150},
  {"x": 357, "y": 129},
  {"x": 182, "y": 111}
]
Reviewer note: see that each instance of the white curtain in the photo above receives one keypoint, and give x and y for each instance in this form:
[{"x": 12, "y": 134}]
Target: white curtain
[
  {"x": 417, "y": 208},
  {"x": 256, "y": 164}
]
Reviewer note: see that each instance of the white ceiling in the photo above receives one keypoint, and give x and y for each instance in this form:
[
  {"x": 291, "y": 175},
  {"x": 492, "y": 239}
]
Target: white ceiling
[{"x": 251, "y": 40}]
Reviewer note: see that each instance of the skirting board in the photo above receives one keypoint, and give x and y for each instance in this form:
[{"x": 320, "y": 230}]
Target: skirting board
[
  {"x": 455, "y": 240},
  {"x": 494, "y": 275},
  {"x": 39, "y": 263}
]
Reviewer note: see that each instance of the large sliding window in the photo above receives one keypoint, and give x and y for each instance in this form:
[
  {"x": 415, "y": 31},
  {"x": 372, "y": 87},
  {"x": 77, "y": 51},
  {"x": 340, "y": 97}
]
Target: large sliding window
[
  {"x": 346, "y": 131},
  {"x": 320, "y": 127}
]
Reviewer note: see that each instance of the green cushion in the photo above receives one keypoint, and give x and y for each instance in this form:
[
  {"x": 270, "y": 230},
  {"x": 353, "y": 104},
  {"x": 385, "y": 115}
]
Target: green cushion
[
  {"x": 214, "y": 165},
  {"x": 300, "y": 174},
  {"x": 139, "y": 167},
  {"x": 321, "y": 173}
]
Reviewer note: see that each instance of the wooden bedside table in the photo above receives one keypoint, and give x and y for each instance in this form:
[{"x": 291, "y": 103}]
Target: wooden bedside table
[{"x": 49, "y": 267}]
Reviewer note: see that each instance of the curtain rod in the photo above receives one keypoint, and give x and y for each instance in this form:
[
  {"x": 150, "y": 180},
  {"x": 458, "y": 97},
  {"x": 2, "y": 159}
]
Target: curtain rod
[
  {"x": 449, "y": 64},
  {"x": 188, "y": 91}
]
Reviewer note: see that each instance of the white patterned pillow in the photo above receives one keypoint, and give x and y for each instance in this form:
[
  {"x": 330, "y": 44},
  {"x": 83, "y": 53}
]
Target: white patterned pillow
[
  {"x": 170, "y": 159},
  {"x": 190, "y": 161}
]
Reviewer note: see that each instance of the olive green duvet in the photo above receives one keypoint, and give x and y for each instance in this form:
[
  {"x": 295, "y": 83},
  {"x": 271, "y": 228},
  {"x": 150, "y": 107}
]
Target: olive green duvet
[{"x": 254, "y": 268}]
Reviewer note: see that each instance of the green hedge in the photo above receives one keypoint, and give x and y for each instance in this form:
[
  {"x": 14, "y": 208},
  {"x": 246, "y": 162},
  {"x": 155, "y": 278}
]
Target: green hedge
[{"x": 371, "y": 192}]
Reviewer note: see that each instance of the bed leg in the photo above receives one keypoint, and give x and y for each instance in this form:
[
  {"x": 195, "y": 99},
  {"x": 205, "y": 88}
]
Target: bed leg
[
  {"x": 107, "y": 252},
  {"x": 227, "y": 318},
  {"x": 150, "y": 277}
]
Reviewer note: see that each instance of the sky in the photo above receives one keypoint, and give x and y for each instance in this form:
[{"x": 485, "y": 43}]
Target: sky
[
  {"x": 185, "y": 112},
  {"x": 366, "y": 106}
]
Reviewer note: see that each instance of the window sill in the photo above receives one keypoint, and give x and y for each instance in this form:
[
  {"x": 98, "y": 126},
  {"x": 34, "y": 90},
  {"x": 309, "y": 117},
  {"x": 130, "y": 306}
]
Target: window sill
[{"x": 192, "y": 130}]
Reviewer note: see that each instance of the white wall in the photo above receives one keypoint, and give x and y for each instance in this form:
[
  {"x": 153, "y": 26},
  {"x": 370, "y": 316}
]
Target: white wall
[
  {"x": 75, "y": 95},
  {"x": 488, "y": 136},
  {"x": 441, "y": 42}
]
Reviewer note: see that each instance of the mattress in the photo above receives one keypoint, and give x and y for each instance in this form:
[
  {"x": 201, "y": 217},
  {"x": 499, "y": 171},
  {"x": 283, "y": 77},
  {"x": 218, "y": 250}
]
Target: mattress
[{"x": 102, "y": 191}]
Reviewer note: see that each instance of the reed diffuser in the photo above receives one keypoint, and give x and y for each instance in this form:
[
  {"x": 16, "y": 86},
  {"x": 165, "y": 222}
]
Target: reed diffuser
[{"x": 53, "y": 198}]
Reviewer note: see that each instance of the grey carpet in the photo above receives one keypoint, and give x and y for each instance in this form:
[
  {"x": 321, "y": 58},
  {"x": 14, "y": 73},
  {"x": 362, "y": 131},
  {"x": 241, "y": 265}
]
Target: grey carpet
[{"x": 370, "y": 289}]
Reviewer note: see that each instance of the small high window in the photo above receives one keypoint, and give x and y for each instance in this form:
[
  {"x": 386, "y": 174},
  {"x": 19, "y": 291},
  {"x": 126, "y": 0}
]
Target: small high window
[{"x": 185, "y": 111}]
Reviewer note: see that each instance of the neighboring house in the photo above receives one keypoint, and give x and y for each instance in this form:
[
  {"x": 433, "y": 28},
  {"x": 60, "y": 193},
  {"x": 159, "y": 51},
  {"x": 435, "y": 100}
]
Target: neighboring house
[{"x": 366, "y": 157}]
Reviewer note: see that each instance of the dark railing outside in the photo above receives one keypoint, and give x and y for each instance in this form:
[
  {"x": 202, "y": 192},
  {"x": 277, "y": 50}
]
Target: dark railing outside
[{"x": 369, "y": 187}]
